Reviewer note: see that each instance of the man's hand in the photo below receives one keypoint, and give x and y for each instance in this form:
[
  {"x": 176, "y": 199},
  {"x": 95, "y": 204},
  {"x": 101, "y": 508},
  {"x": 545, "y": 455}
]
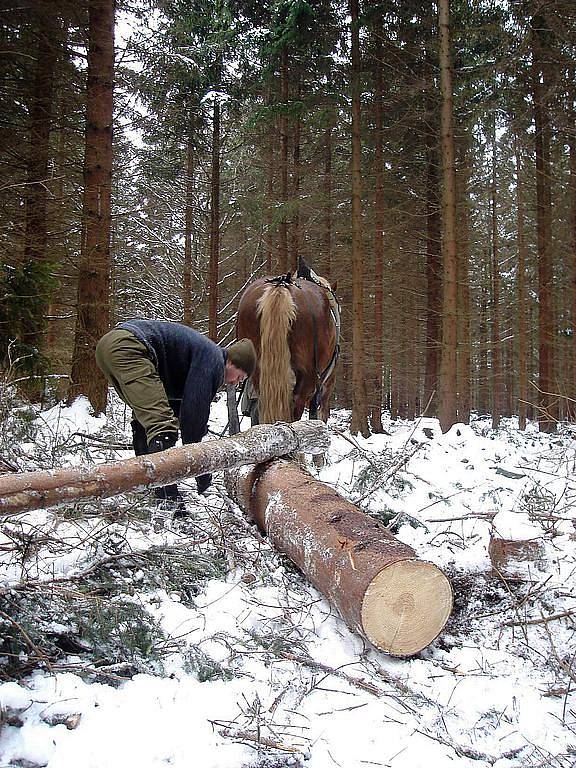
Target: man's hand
[{"x": 202, "y": 482}]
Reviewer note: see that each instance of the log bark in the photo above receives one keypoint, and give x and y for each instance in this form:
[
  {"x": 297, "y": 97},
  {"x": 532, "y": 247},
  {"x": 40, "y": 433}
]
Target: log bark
[
  {"x": 397, "y": 602},
  {"x": 37, "y": 490}
]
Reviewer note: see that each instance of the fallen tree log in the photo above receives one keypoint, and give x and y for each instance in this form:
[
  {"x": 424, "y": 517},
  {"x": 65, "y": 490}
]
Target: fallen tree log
[
  {"x": 399, "y": 603},
  {"x": 37, "y": 490}
]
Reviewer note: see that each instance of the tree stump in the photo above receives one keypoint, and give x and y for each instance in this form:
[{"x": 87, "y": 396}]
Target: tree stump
[
  {"x": 512, "y": 559},
  {"x": 515, "y": 545},
  {"x": 397, "y": 602}
]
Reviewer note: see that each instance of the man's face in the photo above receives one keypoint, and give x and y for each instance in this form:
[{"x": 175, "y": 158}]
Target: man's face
[{"x": 233, "y": 375}]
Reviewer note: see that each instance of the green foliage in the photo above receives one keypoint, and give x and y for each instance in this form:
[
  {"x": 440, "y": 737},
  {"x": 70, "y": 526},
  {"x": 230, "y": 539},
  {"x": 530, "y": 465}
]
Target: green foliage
[
  {"x": 25, "y": 290},
  {"x": 204, "y": 666},
  {"x": 167, "y": 568},
  {"x": 278, "y": 636},
  {"x": 39, "y": 628}
]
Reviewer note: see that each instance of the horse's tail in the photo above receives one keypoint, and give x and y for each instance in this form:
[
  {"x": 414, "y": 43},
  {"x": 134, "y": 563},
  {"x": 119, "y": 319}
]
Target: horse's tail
[{"x": 277, "y": 311}]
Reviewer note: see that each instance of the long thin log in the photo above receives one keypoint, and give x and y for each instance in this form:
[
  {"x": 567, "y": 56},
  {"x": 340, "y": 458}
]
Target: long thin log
[
  {"x": 37, "y": 490},
  {"x": 399, "y": 603}
]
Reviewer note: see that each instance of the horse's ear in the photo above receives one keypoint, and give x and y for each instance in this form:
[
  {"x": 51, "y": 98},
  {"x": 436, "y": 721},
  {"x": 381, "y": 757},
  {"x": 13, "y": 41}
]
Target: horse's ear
[{"x": 334, "y": 286}]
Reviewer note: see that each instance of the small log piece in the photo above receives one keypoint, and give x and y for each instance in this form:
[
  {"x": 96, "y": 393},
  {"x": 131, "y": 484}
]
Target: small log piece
[
  {"x": 37, "y": 490},
  {"x": 399, "y": 603},
  {"x": 512, "y": 559},
  {"x": 516, "y": 546}
]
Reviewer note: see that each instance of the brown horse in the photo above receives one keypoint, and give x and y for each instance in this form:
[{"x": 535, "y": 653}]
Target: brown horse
[{"x": 294, "y": 325}]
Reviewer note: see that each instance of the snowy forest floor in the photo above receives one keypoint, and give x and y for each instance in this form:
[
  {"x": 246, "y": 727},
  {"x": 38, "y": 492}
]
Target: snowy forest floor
[{"x": 128, "y": 645}]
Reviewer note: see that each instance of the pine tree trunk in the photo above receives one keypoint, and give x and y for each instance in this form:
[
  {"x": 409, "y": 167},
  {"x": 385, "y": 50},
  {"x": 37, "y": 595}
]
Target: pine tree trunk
[
  {"x": 411, "y": 377},
  {"x": 395, "y": 331},
  {"x": 327, "y": 201},
  {"x": 573, "y": 216},
  {"x": 188, "y": 228},
  {"x": 433, "y": 276},
  {"x": 269, "y": 154},
  {"x": 60, "y": 331},
  {"x": 521, "y": 366},
  {"x": 296, "y": 172},
  {"x": 483, "y": 398},
  {"x": 214, "y": 225},
  {"x": 447, "y": 383},
  {"x": 33, "y": 318},
  {"x": 496, "y": 349},
  {"x": 464, "y": 343},
  {"x": 283, "y": 227},
  {"x": 376, "y": 397},
  {"x": 94, "y": 274},
  {"x": 546, "y": 380},
  {"x": 359, "y": 423}
]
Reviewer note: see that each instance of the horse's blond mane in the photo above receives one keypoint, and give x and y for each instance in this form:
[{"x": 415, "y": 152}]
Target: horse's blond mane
[{"x": 277, "y": 311}]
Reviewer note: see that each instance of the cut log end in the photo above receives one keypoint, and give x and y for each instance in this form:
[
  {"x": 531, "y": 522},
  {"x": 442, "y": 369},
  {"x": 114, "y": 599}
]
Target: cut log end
[{"x": 405, "y": 607}]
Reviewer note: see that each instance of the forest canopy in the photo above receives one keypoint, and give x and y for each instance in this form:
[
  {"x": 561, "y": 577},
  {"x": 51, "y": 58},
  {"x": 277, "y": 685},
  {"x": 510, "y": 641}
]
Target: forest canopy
[{"x": 159, "y": 155}]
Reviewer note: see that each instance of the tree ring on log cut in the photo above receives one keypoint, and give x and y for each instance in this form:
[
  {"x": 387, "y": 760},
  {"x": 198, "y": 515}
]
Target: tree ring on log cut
[{"x": 405, "y": 607}]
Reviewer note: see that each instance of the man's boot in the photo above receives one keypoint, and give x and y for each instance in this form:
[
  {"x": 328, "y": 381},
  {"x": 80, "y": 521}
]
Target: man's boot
[
  {"x": 139, "y": 438},
  {"x": 167, "y": 496}
]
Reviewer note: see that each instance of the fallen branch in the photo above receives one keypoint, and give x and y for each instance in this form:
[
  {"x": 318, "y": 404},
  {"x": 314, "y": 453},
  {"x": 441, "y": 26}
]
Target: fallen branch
[
  {"x": 37, "y": 490},
  {"x": 256, "y": 738},
  {"x": 358, "y": 682},
  {"x": 542, "y": 620}
]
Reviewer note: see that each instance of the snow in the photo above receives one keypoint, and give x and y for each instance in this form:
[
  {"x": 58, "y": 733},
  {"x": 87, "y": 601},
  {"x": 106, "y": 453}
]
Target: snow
[{"x": 257, "y": 669}]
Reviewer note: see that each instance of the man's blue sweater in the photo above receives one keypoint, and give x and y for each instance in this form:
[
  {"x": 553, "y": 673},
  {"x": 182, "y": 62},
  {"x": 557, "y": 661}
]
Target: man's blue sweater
[{"x": 190, "y": 366}]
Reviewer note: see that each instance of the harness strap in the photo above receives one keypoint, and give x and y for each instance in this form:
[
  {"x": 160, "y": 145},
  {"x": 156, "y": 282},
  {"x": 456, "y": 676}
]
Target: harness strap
[{"x": 321, "y": 377}]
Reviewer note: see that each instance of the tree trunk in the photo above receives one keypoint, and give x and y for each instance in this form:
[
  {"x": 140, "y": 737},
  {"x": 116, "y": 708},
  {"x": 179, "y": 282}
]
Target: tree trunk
[
  {"x": 548, "y": 409},
  {"x": 400, "y": 604},
  {"x": 483, "y": 398},
  {"x": 496, "y": 350},
  {"x": 464, "y": 343},
  {"x": 359, "y": 412},
  {"x": 447, "y": 383},
  {"x": 33, "y": 318},
  {"x": 376, "y": 397},
  {"x": 270, "y": 159},
  {"x": 38, "y": 490},
  {"x": 433, "y": 275},
  {"x": 283, "y": 227},
  {"x": 327, "y": 201},
  {"x": 295, "y": 229},
  {"x": 94, "y": 274},
  {"x": 572, "y": 150},
  {"x": 521, "y": 292},
  {"x": 188, "y": 228},
  {"x": 214, "y": 224}
]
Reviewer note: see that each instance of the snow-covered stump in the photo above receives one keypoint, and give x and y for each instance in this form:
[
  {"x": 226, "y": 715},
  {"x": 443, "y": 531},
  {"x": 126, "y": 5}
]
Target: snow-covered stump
[
  {"x": 37, "y": 490},
  {"x": 516, "y": 547},
  {"x": 397, "y": 602},
  {"x": 512, "y": 559}
]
